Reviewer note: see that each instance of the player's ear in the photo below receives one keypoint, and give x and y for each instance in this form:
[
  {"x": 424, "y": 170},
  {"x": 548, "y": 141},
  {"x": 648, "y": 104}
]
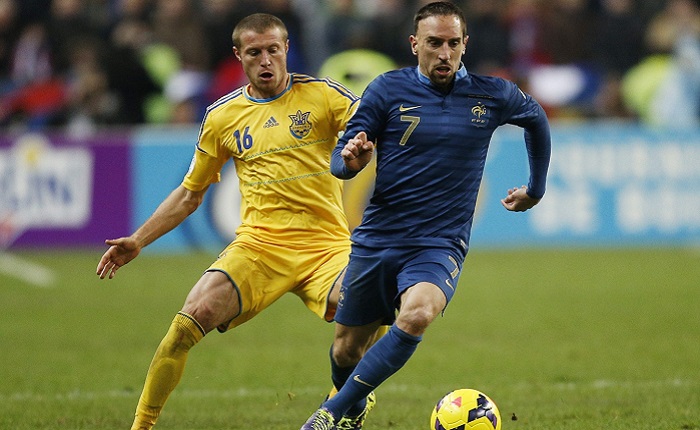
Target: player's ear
[
  {"x": 286, "y": 46},
  {"x": 413, "y": 41},
  {"x": 237, "y": 53}
]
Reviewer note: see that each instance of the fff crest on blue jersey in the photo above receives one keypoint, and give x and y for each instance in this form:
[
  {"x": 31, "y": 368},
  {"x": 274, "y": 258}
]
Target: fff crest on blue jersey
[
  {"x": 480, "y": 115},
  {"x": 300, "y": 126}
]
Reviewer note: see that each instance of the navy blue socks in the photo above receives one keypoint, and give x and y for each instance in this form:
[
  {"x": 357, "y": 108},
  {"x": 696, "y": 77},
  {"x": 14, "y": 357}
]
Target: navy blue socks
[{"x": 381, "y": 361}]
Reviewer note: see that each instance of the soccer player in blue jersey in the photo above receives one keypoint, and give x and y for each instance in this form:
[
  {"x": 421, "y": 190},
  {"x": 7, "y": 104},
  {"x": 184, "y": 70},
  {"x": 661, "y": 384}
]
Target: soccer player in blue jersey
[
  {"x": 431, "y": 125},
  {"x": 279, "y": 130}
]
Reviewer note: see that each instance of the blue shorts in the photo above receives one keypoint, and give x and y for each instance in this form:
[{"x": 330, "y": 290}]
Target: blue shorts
[{"x": 376, "y": 278}]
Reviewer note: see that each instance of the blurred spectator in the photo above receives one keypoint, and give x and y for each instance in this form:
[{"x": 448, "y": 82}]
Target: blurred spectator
[
  {"x": 553, "y": 55},
  {"x": 139, "y": 10},
  {"x": 179, "y": 24},
  {"x": 524, "y": 20},
  {"x": 618, "y": 40},
  {"x": 90, "y": 99},
  {"x": 487, "y": 49},
  {"x": 355, "y": 68},
  {"x": 161, "y": 61},
  {"x": 618, "y": 37},
  {"x": 34, "y": 10},
  {"x": 664, "y": 88},
  {"x": 31, "y": 94},
  {"x": 346, "y": 29},
  {"x": 392, "y": 17},
  {"x": 128, "y": 75},
  {"x": 220, "y": 16},
  {"x": 677, "y": 19},
  {"x": 313, "y": 47},
  {"x": 68, "y": 24},
  {"x": 9, "y": 32},
  {"x": 567, "y": 31},
  {"x": 31, "y": 58}
]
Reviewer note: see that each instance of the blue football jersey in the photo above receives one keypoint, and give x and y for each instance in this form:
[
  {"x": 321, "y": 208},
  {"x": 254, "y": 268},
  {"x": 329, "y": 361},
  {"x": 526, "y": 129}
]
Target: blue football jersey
[{"x": 431, "y": 151}]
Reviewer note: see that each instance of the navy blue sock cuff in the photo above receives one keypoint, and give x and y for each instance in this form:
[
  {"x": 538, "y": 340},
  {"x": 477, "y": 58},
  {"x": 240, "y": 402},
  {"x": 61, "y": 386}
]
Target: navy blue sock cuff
[{"x": 405, "y": 337}]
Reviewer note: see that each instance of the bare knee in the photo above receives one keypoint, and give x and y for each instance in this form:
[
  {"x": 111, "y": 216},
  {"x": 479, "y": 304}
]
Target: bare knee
[
  {"x": 420, "y": 305},
  {"x": 346, "y": 354},
  {"x": 415, "y": 321},
  {"x": 203, "y": 313},
  {"x": 212, "y": 301}
]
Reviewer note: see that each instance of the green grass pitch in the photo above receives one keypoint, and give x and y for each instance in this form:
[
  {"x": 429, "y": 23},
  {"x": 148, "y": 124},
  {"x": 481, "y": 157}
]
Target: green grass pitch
[{"x": 560, "y": 339}]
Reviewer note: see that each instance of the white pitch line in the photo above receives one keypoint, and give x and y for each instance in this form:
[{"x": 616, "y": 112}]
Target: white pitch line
[{"x": 24, "y": 270}]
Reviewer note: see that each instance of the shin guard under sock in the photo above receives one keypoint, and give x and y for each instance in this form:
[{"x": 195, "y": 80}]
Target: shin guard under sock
[
  {"x": 381, "y": 361},
  {"x": 166, "y": 369}
]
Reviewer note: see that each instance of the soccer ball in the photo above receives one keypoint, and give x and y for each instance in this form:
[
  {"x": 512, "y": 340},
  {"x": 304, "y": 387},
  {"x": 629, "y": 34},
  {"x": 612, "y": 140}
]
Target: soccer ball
[{"x": 465, "y": 409}]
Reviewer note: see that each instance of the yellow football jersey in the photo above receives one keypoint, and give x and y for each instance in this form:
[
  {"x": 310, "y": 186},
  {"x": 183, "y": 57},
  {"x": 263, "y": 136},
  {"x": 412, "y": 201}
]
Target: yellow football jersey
[{"x": 281, "y": 149}]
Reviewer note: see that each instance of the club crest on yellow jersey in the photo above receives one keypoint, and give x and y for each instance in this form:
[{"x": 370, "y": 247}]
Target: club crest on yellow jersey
[{"x": 300, "y": 126}]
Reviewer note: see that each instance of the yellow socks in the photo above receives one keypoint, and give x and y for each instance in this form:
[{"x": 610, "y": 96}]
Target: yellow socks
[{"x": 166, "y": 369}]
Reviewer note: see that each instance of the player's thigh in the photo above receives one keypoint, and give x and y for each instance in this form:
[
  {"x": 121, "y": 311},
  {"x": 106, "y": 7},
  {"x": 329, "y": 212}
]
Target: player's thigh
[
  {"x": 212, "y": 300},
  {"x": 438, "y": 266},
  {"x": 426, "y": 284},
  {"x": 319, "y": 271},
  {"x": 260, "y": 274},
  {"x": 369, "y": 288}
]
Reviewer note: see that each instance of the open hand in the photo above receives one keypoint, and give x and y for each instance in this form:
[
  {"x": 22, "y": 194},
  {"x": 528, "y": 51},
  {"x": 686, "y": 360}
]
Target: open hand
[{"x": 120, "y": 252}]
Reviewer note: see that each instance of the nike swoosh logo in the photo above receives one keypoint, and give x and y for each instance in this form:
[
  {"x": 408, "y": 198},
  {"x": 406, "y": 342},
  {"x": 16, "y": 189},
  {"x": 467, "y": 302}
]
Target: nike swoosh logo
[
  {"x": 449, "y": 284},
  {"x": 356, "y": 378},
  {"x": 406, "y": 109}
]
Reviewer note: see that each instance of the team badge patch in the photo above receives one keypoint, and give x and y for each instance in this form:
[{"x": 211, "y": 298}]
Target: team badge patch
[
  {"x": 300, "y": 126},
  {"x": 479, "y": 115}
]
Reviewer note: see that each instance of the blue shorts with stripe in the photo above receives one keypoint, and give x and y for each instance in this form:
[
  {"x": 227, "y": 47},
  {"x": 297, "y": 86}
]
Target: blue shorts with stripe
[{"x": 376, "y": 278}]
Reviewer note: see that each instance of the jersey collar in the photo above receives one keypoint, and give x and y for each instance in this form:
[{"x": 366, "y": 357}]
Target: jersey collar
[
  {"x": 461, "y": 74},
  {"x": 290, "y": 79}
]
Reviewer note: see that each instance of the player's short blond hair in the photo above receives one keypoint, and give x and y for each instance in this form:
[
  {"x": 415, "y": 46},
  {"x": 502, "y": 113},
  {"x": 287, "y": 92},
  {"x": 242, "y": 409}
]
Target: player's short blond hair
[{"x": 259, "y": 23}]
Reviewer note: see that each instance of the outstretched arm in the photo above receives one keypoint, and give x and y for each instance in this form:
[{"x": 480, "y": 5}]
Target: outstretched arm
[
  {"x": 169, "y": 214},
  {"x": 528, "y": 114}
]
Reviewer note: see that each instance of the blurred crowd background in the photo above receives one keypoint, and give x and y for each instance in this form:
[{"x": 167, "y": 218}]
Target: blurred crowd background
[{"x": 85, "y": 64}]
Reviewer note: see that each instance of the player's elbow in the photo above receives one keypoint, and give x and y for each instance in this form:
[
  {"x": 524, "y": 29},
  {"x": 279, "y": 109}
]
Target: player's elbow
[{"x": 191, "y": 200}]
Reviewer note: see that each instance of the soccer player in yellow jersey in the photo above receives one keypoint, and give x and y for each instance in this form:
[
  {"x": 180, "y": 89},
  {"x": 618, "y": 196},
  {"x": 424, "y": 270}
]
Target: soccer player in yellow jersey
[{"x": 279, "y": 131}]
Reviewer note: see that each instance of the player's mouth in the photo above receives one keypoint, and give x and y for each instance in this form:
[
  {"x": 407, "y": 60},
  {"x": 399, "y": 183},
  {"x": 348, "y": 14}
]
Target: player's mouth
[
  {"x": 266, "y": 76},
  {"x": 443, "y": 70}
]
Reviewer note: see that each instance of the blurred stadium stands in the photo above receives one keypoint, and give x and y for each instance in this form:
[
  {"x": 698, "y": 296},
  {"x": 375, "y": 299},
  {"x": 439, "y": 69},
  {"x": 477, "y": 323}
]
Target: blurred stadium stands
[
  {"x": 83, "y": 64},
  {"x": 100, "y": 97}
]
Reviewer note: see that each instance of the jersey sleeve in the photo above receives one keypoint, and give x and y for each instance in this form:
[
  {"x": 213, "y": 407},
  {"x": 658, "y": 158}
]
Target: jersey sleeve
[
  {"x": 524, "y": 111},
  {"x": 208, "y": 159},
  {"x": 368, "y": 118},
  {"x": 342, "y": 103}
]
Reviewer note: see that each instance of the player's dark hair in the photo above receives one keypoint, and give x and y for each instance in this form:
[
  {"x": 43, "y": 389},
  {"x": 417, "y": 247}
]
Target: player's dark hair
[
  {"x": 259, "y": 23},
  {"x": 440, "y": 8}
]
